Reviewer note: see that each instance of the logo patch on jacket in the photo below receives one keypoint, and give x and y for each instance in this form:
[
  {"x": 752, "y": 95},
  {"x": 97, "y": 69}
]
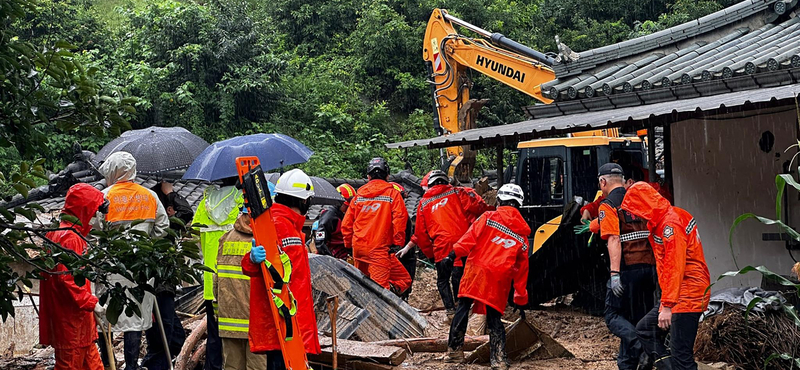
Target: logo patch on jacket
[
  {"x": 506, "y": 243},
  {"x": 602, "y": 215},
  {"x": 441, "y": 203},
  {"x": 668, "y": 232},
  {"x": 320, "y": 234}
]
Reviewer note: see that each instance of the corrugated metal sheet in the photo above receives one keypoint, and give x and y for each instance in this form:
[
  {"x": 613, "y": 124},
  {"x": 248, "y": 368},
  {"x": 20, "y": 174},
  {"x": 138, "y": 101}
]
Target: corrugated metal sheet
[{"x": 533, "y": 129}]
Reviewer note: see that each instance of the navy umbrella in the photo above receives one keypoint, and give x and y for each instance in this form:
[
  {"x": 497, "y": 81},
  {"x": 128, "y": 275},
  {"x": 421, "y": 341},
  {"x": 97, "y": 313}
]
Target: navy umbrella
[
  {"x": 324, "y": 192},
  {"x": 218, "y": 161},
  {"x": 156, "y": 149}
]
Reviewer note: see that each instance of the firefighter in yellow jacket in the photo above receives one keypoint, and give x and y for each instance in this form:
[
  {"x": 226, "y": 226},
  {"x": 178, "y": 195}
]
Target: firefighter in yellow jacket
[{"x": 232, "y": 291}]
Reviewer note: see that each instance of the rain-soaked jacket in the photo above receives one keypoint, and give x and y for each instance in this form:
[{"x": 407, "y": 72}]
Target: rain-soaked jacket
[
  {"x": 444, "y": 215},
  {"x": 376, "y": 220},
  {"x": 496, "y": 247},
  {"x": 231, "y": 285},
  {"x": 66, "y": 318},
  {"x": 129, "y": 202},
  {"x": 263, "y": 335},
  {"x": 216, "y": 213},
  {"x": 682, "y": 271}
]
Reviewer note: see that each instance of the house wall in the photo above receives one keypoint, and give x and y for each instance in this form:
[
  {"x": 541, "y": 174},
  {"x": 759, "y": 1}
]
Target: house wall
[{"x": 720, "y": 173}]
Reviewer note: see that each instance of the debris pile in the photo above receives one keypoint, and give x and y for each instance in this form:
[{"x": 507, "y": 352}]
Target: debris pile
[{"x": 728, "y": 337}]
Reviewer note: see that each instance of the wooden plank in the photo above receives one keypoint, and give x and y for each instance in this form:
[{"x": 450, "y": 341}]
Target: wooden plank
[
  {"x": 432, "y": 344},
  {"x": 353, "y": 350}
]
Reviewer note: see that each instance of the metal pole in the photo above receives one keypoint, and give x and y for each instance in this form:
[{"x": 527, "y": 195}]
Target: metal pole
[
  {"x": 668, "y": 160},
  {"x": 467, "y": 25},
  {"x": 651, "y": 153},
  {"x": 163, "y": 334},
  {"x": 499, "y": 166}
]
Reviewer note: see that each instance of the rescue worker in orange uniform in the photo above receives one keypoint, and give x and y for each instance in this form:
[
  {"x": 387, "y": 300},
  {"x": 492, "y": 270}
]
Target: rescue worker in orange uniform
[
  {"x": 66, "y": 311},
  {"x": 443, "y": 217},
  {"x": 293, "y": 194},
  {"x": 373, "y": 225},
  {"x": 682, "y": 275},
  {"x": 496, "y": 248},
  {"x": 328, "y": 238},
  {"x": 632, "y": 285}
]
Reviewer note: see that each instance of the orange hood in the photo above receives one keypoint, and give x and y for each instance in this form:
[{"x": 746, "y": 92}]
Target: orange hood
[
  {"x": 644, "y": 201},
  {"x": 374, "y": 188},
  {"x": 82, "y": 201}
]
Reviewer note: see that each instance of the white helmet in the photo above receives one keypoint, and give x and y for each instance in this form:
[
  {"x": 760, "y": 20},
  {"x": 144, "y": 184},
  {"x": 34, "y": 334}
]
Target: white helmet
[
  {"x": 511, "y": 192},
  {"x": 295, "y": 183}
]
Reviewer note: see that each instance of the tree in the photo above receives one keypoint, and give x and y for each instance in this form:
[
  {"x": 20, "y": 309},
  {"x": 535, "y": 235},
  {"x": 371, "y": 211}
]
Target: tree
[{"x": 47, "y": 88}]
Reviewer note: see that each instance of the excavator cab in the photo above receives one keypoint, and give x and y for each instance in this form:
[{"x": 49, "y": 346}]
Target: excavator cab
[{"x": 558, "y": 176}]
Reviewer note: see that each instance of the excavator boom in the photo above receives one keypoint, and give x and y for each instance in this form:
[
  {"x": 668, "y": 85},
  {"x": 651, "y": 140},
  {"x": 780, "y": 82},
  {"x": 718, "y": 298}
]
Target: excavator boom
[{"x": 450, "y": 55}]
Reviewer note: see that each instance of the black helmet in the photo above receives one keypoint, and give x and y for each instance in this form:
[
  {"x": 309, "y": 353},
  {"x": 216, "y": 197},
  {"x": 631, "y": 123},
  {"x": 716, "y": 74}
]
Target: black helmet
[
  {"x": 437, "y": 176},
  {"x": 378, "y": 168}
]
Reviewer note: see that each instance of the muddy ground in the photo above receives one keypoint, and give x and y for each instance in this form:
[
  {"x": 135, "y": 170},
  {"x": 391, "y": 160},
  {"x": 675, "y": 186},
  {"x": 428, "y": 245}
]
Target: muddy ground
[{"x": 585, "y": 336}]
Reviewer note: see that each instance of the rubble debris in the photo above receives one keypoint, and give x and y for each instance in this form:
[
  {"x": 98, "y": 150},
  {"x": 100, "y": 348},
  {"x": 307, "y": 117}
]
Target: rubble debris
[
  {"x": 185, "y": 357},
  {"x": 349, "y": 350},
  {"x": 433, "y": 344},
  {"x": 524, "y": 341},
  {"x": 348, "y": 316},
  {"x": 729, "y": 338},
  {"x": 389, "y": 317}
]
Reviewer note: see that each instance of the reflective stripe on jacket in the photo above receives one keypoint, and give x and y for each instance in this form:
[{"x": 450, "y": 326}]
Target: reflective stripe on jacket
[{"x": 231, "y": 285}]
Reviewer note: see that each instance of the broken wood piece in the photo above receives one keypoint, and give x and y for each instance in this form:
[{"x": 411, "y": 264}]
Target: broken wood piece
[
  {"x": 523, "y": 340},
  {"x": 184, "y": 357},
  {"x": 361, "y": 365},
  {"x": 349, "y": 350},
  {"x": 433, "y": 344},
  {"x": 198, "y": 354}
]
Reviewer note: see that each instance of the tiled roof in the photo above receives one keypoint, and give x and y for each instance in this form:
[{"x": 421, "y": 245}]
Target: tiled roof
[
  {"x": 51, "y": 196},
  {"x": 748, "y": 38},
  {"x": 192, "y": 191}
]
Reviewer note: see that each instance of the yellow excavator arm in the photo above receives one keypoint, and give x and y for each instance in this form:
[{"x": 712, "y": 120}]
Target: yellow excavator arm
[{"x": 449, "y": 55}]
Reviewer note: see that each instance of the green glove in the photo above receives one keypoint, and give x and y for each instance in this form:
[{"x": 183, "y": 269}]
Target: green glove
[{"x": 584, "y": 228}]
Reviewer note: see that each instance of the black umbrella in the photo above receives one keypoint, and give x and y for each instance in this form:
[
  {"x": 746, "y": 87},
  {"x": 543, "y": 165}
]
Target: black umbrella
[
  {"x": 324, "y": 192},
  {"x": 157, "y": 149}
]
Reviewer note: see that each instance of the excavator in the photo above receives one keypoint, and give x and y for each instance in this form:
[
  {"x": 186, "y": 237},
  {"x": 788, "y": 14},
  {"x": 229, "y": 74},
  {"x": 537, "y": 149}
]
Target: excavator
[{"x": 557, "y": 174}]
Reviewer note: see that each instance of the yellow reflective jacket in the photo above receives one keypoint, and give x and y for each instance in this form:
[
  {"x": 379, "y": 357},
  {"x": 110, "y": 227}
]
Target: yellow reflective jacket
[{"x": 217, "y": 213}]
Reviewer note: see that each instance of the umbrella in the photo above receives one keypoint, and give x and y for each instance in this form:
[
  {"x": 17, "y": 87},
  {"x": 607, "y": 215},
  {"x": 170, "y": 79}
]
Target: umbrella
[
  {"x": 324, "y": 192},
  {"x": 218, "y": 161},
  {"x": 156, "y": 149}
]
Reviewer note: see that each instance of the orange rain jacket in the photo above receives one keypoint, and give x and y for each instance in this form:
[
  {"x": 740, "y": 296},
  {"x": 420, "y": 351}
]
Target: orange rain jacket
[
  {"x": 66, "y": 318},
  {"x": 263, "y": 335},
  {"x": 496, "y": 247},
  {"x": 444, "y": 215},
  {"x": 682, "y": 271},
  {"x": 375, "y": 220}
]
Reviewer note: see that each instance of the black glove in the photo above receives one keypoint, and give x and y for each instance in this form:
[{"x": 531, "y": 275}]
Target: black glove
[{"x": 616, "y": 285}]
